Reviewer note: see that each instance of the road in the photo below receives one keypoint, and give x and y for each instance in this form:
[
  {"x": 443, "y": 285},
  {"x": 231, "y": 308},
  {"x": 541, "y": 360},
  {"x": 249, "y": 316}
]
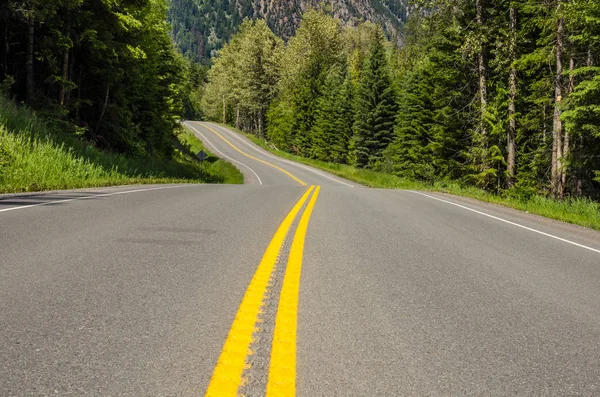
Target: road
[{"x": 297, "y": 282}]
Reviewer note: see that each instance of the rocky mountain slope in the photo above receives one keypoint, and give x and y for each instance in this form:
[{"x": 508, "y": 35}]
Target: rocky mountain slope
[{"x": 200, "y": 27}]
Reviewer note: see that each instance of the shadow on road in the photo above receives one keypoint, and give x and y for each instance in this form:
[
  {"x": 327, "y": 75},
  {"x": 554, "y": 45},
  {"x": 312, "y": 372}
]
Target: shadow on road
[{"x": 41, "y": 198}]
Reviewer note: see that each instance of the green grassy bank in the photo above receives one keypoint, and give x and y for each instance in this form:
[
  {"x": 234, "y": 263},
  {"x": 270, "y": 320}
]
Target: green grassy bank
[
  {"x": 582, "y": 212},
  {"x": 212, "y": 165},
  {"x": 37, "y": 154}
]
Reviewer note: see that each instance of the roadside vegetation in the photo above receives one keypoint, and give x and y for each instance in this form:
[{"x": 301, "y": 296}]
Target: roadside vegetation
[
  {"x": 490, "y": 104},
  {"x": 493, "y": 101},
  {"x": 37, "y": 154},
  {"x": 579, "y": 211},
  {"x": 91, "y": 94},
  {"x": 214, "y": 166}
]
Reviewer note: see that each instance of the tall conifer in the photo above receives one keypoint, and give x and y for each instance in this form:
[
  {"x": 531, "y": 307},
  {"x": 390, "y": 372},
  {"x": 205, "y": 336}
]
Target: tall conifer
[{"x": 376, "y": 107}]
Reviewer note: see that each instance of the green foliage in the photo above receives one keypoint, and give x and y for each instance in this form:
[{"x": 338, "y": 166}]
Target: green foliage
[
  {"x": 582, "y": 108},
  {"x": 37, "y": 155},
  {"x": 376, "y": 108},
  {"x": 446, "y": 106},
  {"x": 193, "y": 91},
  {"x": 242, "y": 81},
  {"x": 107, "y": 69},
  {"x": 202, "y": 27},
  {"x": 316, "y": 49},
  {"x": 333, "y": 127}
]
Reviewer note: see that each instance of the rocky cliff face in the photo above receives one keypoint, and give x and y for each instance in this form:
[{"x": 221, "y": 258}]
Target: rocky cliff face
[
  {"x": 283, "y": 16},
  {"x": 200, "y": 27}
]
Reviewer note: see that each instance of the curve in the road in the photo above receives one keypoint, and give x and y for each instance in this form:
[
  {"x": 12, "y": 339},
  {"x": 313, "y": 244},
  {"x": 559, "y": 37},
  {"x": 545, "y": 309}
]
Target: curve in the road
[
  {"x": 295, "y": 178},
  {"x": 223, "y": 154},
  {"x": 266, "y": 154}
]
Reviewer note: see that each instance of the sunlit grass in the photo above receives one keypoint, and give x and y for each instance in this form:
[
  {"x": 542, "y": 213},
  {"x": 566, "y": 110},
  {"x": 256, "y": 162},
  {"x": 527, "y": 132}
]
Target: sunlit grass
[
  {"x": 36, "y": 155},
  {"x": 580, "y": 211},
  {"x": 213, "y": 165}
]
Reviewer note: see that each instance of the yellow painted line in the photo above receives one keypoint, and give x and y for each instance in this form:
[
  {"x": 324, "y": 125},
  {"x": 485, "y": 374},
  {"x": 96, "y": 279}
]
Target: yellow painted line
[
  {"x": 227, "y": 376},
  {"x": 301, "y": 182},
  {"x": 282, "y": 371}
]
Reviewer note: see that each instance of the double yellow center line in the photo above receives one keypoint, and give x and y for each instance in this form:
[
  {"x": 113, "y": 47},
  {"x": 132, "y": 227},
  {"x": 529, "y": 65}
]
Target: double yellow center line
[
  {"x": 282, "y": 370},
  {"x": 227, "y": 376},
  {"x": 301, "y": 182}
]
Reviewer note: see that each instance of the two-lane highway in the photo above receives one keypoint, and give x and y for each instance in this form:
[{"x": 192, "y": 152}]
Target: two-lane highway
[
  {"x": 258, "y": 165},
  {"x": 298, "y": 282}
]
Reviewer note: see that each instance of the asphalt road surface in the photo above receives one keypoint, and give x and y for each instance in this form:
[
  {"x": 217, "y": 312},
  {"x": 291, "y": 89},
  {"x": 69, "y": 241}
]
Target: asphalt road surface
[{"x": 297, "y": 282}]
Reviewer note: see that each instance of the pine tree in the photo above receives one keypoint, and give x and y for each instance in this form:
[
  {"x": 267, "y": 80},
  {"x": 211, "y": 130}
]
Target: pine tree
[
  {"x": 433, "y": 105},
  {"x": 582, "y": 108},
  {"x": 343, "y": 122},
  {"x": 376, "y": 108},
  {"x": 413, "y": 152},
  {"x": 331, "y": 130}
]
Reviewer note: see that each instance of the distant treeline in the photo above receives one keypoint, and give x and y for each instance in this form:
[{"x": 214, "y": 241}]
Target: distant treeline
[
  {"x": 106, "y": 69},
  {"x": 502, "y": 95}
]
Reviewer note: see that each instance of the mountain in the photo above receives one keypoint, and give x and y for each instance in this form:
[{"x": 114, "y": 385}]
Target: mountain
[{"x": 200, "y": 27}]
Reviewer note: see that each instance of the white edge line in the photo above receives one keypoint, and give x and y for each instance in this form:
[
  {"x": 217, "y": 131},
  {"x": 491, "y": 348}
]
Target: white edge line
[
  {"x": 509, "y": 222},
  {"x": 221, "y": 153},
  {"x": 267, "y": 154},
  {"x": 89, "y": 197}
]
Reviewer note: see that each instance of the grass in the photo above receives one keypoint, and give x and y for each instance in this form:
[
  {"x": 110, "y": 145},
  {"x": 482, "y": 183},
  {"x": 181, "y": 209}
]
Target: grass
[
  {"x": 212, "y": 165},
  {"x": 580, "y": 211},
  {"x": 37, "y": 154}
]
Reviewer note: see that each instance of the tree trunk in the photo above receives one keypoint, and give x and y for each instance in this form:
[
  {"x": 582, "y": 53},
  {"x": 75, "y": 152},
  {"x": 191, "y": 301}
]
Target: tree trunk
[
  {"x": 481, "y": 137},
  {"x": 70, "y": 78},
  {"x": 65, "y": 67},
  {"x": 261, "y": 128},
  {"x": 64, "y": 76},
  {"x": 482, "y": 73},
  {"x": 104, "y": 106},
  {"x": 566, "y": 148},
  {"x": 78, "y": 106},
  {"x": 224, "y": 111},
  {"x": 512, "y": 84},
  {"x": 557, "y": 130},
  {"x": 6, "y": 47},
  {"x": 237, "y": 118},
  {"x": 30, "y": 87}
]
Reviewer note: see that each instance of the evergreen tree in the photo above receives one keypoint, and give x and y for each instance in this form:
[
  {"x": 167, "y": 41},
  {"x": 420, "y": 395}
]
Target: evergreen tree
[
  {"x": 502, "y": 95},
  {"x": 430, "y": 134},
  {"x": 376, "y": 108},
  {"x": 343, "y": 122},
  {"x": 332, "y": 128},
  {"x": 242, "y": 81},
  {"x": 582, "y": 110}
]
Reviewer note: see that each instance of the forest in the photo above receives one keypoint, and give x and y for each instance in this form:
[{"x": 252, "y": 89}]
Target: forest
[
  {"x": 502, "y": 95},
  {"x": 107, "y": 71}
]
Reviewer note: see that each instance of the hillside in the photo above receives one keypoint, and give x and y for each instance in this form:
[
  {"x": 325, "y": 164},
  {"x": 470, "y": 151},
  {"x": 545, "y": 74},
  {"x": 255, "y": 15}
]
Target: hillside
[{"x": 200, "y": 27}]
